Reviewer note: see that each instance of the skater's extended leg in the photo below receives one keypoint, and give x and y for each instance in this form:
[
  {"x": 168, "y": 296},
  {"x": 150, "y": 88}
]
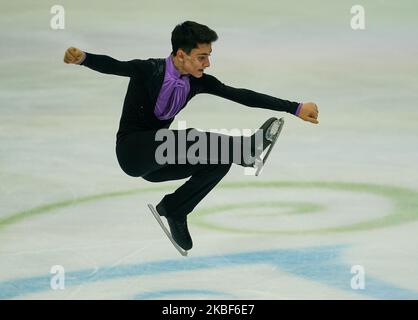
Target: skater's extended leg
[{"x": 141, "y": 153}]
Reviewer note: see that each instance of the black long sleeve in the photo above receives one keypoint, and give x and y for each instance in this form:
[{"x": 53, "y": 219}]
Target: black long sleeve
[
  {"x": 212, "y": 85},
  {"x": 109, "y": 65}
]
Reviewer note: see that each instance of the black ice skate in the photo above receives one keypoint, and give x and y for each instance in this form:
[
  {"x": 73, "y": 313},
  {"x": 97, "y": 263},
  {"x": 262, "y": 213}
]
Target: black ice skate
[
  {"x": 179, "y": 234},
  {"x": 271, "y": 131}
]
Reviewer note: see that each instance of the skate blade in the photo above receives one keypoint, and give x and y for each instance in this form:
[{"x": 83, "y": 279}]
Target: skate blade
[
  {"x": 272, "y": 135},
  {"x": 166, "y": 231}
]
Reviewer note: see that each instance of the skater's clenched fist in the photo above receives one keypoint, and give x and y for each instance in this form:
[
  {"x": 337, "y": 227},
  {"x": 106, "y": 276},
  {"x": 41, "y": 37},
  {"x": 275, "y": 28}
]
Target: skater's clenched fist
[
  {"x": 74, "y": 55},
  {"x": 309, "y": 112}
]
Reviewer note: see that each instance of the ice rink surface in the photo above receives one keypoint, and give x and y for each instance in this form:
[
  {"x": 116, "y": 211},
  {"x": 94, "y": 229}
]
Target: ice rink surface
[{"x": 336, "y": 203}]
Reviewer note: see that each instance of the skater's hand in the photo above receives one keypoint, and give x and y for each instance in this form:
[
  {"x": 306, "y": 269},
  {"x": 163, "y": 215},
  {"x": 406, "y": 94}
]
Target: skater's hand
[
  {"x": 74, "y": 55},
  {"x": 309, "y": 112}
]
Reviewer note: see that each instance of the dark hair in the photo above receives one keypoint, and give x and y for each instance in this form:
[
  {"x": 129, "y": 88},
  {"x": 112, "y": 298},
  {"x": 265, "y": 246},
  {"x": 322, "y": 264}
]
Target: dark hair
[{"x": 188, "y": 34}]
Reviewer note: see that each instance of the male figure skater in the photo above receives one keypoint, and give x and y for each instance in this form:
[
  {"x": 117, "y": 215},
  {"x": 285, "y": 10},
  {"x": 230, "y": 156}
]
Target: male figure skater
[{"x": 157, "y": 91}]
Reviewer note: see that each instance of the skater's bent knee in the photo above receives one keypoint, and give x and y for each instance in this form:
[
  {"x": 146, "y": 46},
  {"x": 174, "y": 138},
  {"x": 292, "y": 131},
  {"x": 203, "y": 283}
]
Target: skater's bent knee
[
  {"x": 131, "y": 173},
  {"x": 223, "y": 167},
  {"x": 134, "y": 175},
  {"x": 151, "y": 178}
]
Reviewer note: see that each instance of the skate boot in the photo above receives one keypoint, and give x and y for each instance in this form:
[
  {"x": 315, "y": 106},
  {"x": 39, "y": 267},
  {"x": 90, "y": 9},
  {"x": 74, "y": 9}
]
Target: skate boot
[
  {"x": 270, "y": 131},
  {"x": 179, "y": 233}
]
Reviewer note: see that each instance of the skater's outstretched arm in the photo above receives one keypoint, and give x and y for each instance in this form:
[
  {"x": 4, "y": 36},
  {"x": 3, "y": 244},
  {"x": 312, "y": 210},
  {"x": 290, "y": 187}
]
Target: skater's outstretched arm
[
  {"x": 307, "y": 111},
  {"x": 103, "y": 63}
]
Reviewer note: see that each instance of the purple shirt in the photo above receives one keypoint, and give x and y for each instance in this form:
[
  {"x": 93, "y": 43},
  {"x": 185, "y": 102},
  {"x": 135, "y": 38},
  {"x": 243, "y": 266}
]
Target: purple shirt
[{"x": 173, "y": 93}]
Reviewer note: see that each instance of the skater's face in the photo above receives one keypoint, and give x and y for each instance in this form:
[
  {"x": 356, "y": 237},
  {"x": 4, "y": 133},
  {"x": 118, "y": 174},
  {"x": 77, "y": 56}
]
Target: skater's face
[{"x": 196, "y": 62}]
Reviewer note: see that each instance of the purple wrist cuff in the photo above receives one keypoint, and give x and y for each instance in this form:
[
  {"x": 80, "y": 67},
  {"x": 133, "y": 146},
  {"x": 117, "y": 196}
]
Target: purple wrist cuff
[{"x": 298, "y": 109}]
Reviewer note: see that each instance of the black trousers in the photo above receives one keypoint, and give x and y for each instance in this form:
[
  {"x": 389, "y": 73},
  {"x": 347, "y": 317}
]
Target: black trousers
[{"x": 136, "y": 153}]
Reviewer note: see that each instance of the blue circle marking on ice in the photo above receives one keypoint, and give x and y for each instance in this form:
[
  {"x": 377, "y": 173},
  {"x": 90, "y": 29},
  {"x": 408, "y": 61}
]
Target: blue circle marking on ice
[{"x": 321, "y": 264}]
